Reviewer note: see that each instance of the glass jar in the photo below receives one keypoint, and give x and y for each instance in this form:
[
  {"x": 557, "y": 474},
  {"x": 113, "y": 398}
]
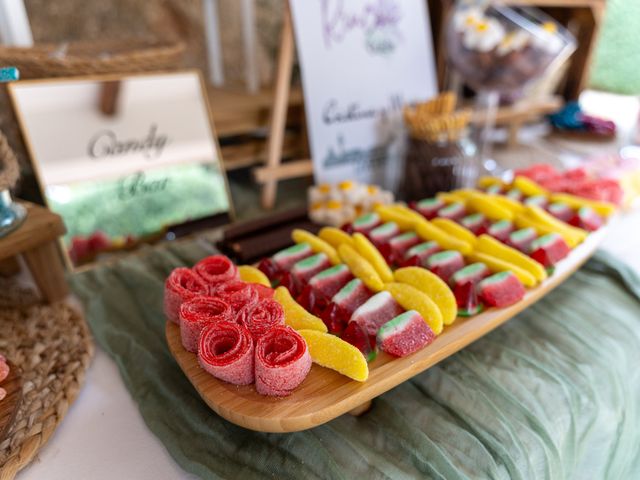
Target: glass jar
[{"x": 437, "y": 166}]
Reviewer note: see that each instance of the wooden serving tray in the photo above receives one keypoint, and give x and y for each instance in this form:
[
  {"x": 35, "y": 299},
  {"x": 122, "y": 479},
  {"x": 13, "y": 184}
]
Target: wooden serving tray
[{"x": 326, "y": 394}]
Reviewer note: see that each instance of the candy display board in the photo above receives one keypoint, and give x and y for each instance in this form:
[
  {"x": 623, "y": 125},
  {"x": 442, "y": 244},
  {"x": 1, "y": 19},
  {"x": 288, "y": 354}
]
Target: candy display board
[
  {"x": 361, "y": 62},
  {"x": 326, "y": 394}
]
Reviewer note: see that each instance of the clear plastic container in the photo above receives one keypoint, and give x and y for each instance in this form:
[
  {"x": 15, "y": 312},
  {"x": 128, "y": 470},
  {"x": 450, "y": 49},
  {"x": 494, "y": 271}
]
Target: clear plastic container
[{"x": 501, "y": 48}]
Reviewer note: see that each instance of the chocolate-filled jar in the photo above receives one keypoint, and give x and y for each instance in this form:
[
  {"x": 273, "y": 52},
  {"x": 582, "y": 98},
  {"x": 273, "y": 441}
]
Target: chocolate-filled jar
[{"x": 437, "y": 166}]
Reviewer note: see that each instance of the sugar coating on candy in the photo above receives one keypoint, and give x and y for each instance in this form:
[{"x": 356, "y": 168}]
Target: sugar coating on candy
[
  {"x": 423, "y": 250},
  {"x": 351, "y": 296},
  {"x": 282, "y": 362},
  {"x": 537, "y": 200},
  {"x": 429, "y": 207},
  {"x": 226, "y": 351},
  {"x": 549, "y": 249},
  {"x": 384, "y": 232},
  {"x": 333, "y": 352},
  {"x": 181, "y": 285},
  {"x": 199, "y": 312},
  {"x": 444, "y": 264},
  {"x": 263, "y": 317},
  {"x": 454, "y": 211},
  {"x": 285, "y": 259},
  {"x": 471, "y": 273},
  {"x": 303, "y": 270},
  {"x": 330, "y": 281},
  {"x": 494, "y": 189},
  {"x": 561, "y": 211},
  {"x": 474, "y": 222},
  {"x": 500, "y": 230},
  {"x": 361, "y": 268},
  {"x": 254, "y": 275},
  {"x": 372, "y": 255},
  {"x": 402, "y": 243},
  {"x": 317, "y": 244},
  {"x": 263, "y": 292},
  {"x": 514, "y": 194},
  {"x": 432, "y": 286},
  {"x": 407, "y": 238},
  {"x": 294, "y": 315},
  {"x": 357, "y": 336},
  {"x": 587, "y": 218},
  {"x": 366, "y": 222},
  {"x": 216, "y": 269},
  {"x": 396, "y": 249},
  {"x": 467, "y": 299},
  {"x": 521, "y": 239},
  {"x": 404, "y": 334},
  {"x": 501, "y": 289},
  {"x": 376, "y": 311},
  {"x": 238, "y": 294}
]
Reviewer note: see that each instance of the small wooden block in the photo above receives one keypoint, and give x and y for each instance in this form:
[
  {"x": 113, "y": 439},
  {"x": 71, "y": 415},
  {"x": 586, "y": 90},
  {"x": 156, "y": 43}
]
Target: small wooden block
[
  {"x": 362, "y": 409},
  {"x": 36, "y": 240},
  {"x": 9, "y": 266},
  {"x": 47, "y": 271}
]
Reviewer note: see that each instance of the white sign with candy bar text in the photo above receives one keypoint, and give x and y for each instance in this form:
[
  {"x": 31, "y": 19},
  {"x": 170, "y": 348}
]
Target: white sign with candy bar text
[{"x": 361, "y": 61}]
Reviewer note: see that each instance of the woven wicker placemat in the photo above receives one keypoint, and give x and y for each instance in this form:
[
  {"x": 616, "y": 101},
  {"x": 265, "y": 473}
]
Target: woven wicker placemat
[{"x": 52, "y": 347}]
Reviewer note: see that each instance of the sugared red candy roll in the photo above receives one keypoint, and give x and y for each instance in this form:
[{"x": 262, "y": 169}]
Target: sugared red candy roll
[
  {"x": 216, "y": 269},
  {"x": 238, "y": 294},
  {"x": 282, "y": 362},
  {"x": 226, "y": 351},
  {"x": 197, "y": 314},
  {"x": 263, "y": 317},
  {"x": 181, "y": 285}
]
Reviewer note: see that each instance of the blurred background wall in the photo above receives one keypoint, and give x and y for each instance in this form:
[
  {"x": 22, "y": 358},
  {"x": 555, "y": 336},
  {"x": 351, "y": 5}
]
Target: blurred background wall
[{"x": 67, "y": 20}]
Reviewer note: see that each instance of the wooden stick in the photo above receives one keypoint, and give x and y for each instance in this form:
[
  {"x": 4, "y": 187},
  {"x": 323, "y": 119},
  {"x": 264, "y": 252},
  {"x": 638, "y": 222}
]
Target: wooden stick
[
  {"x": 294, "y": 169},
  {"x": 279, "y": 113}
]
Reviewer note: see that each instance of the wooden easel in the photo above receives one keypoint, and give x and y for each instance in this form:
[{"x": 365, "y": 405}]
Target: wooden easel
[{"x": 274, "y": 171}]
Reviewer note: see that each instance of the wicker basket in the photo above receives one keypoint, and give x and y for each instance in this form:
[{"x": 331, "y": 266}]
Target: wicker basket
[
  {"x": 76, "y": 59},
  {"x": 72, "y": 59}
]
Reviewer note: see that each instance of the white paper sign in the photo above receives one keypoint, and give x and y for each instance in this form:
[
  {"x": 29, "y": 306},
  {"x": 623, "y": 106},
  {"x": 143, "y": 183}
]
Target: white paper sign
[
  {"x": 123, "y": 159},
  {"x": 361, "y": 61}
]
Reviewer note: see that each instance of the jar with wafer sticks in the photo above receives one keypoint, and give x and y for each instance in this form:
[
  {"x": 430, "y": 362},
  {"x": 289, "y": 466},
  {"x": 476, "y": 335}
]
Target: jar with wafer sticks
[{"x": 439, "y": 154}]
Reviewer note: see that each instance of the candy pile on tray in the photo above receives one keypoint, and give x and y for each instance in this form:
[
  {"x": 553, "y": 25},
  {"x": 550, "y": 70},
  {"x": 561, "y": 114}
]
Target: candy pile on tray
[
  {"x": 344, "y": 281},
  {"x": 228, "y": 317},
  {"x": 391, "y": 280},
  {"x": 578, "y": 181},
  {"x": 451, "y": 255},
  {"x": 341, "y": 203}
]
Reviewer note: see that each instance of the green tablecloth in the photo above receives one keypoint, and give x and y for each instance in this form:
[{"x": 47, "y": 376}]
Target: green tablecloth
[{"x": 554, "y": 393}]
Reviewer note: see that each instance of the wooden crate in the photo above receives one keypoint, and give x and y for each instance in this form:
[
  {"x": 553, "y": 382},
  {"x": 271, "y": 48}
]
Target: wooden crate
[
  {"x": 583, "y": 18},
  {"x": 241, "y": 120}
]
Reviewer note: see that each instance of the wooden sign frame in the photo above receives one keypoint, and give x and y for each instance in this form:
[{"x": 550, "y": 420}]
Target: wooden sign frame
[
  {"x": 274, "y": 171},
  {"x": 112, "y": 79}
]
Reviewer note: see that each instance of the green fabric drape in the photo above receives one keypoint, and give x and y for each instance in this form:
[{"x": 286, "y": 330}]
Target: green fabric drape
[{"x": 552, "y": 394}]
